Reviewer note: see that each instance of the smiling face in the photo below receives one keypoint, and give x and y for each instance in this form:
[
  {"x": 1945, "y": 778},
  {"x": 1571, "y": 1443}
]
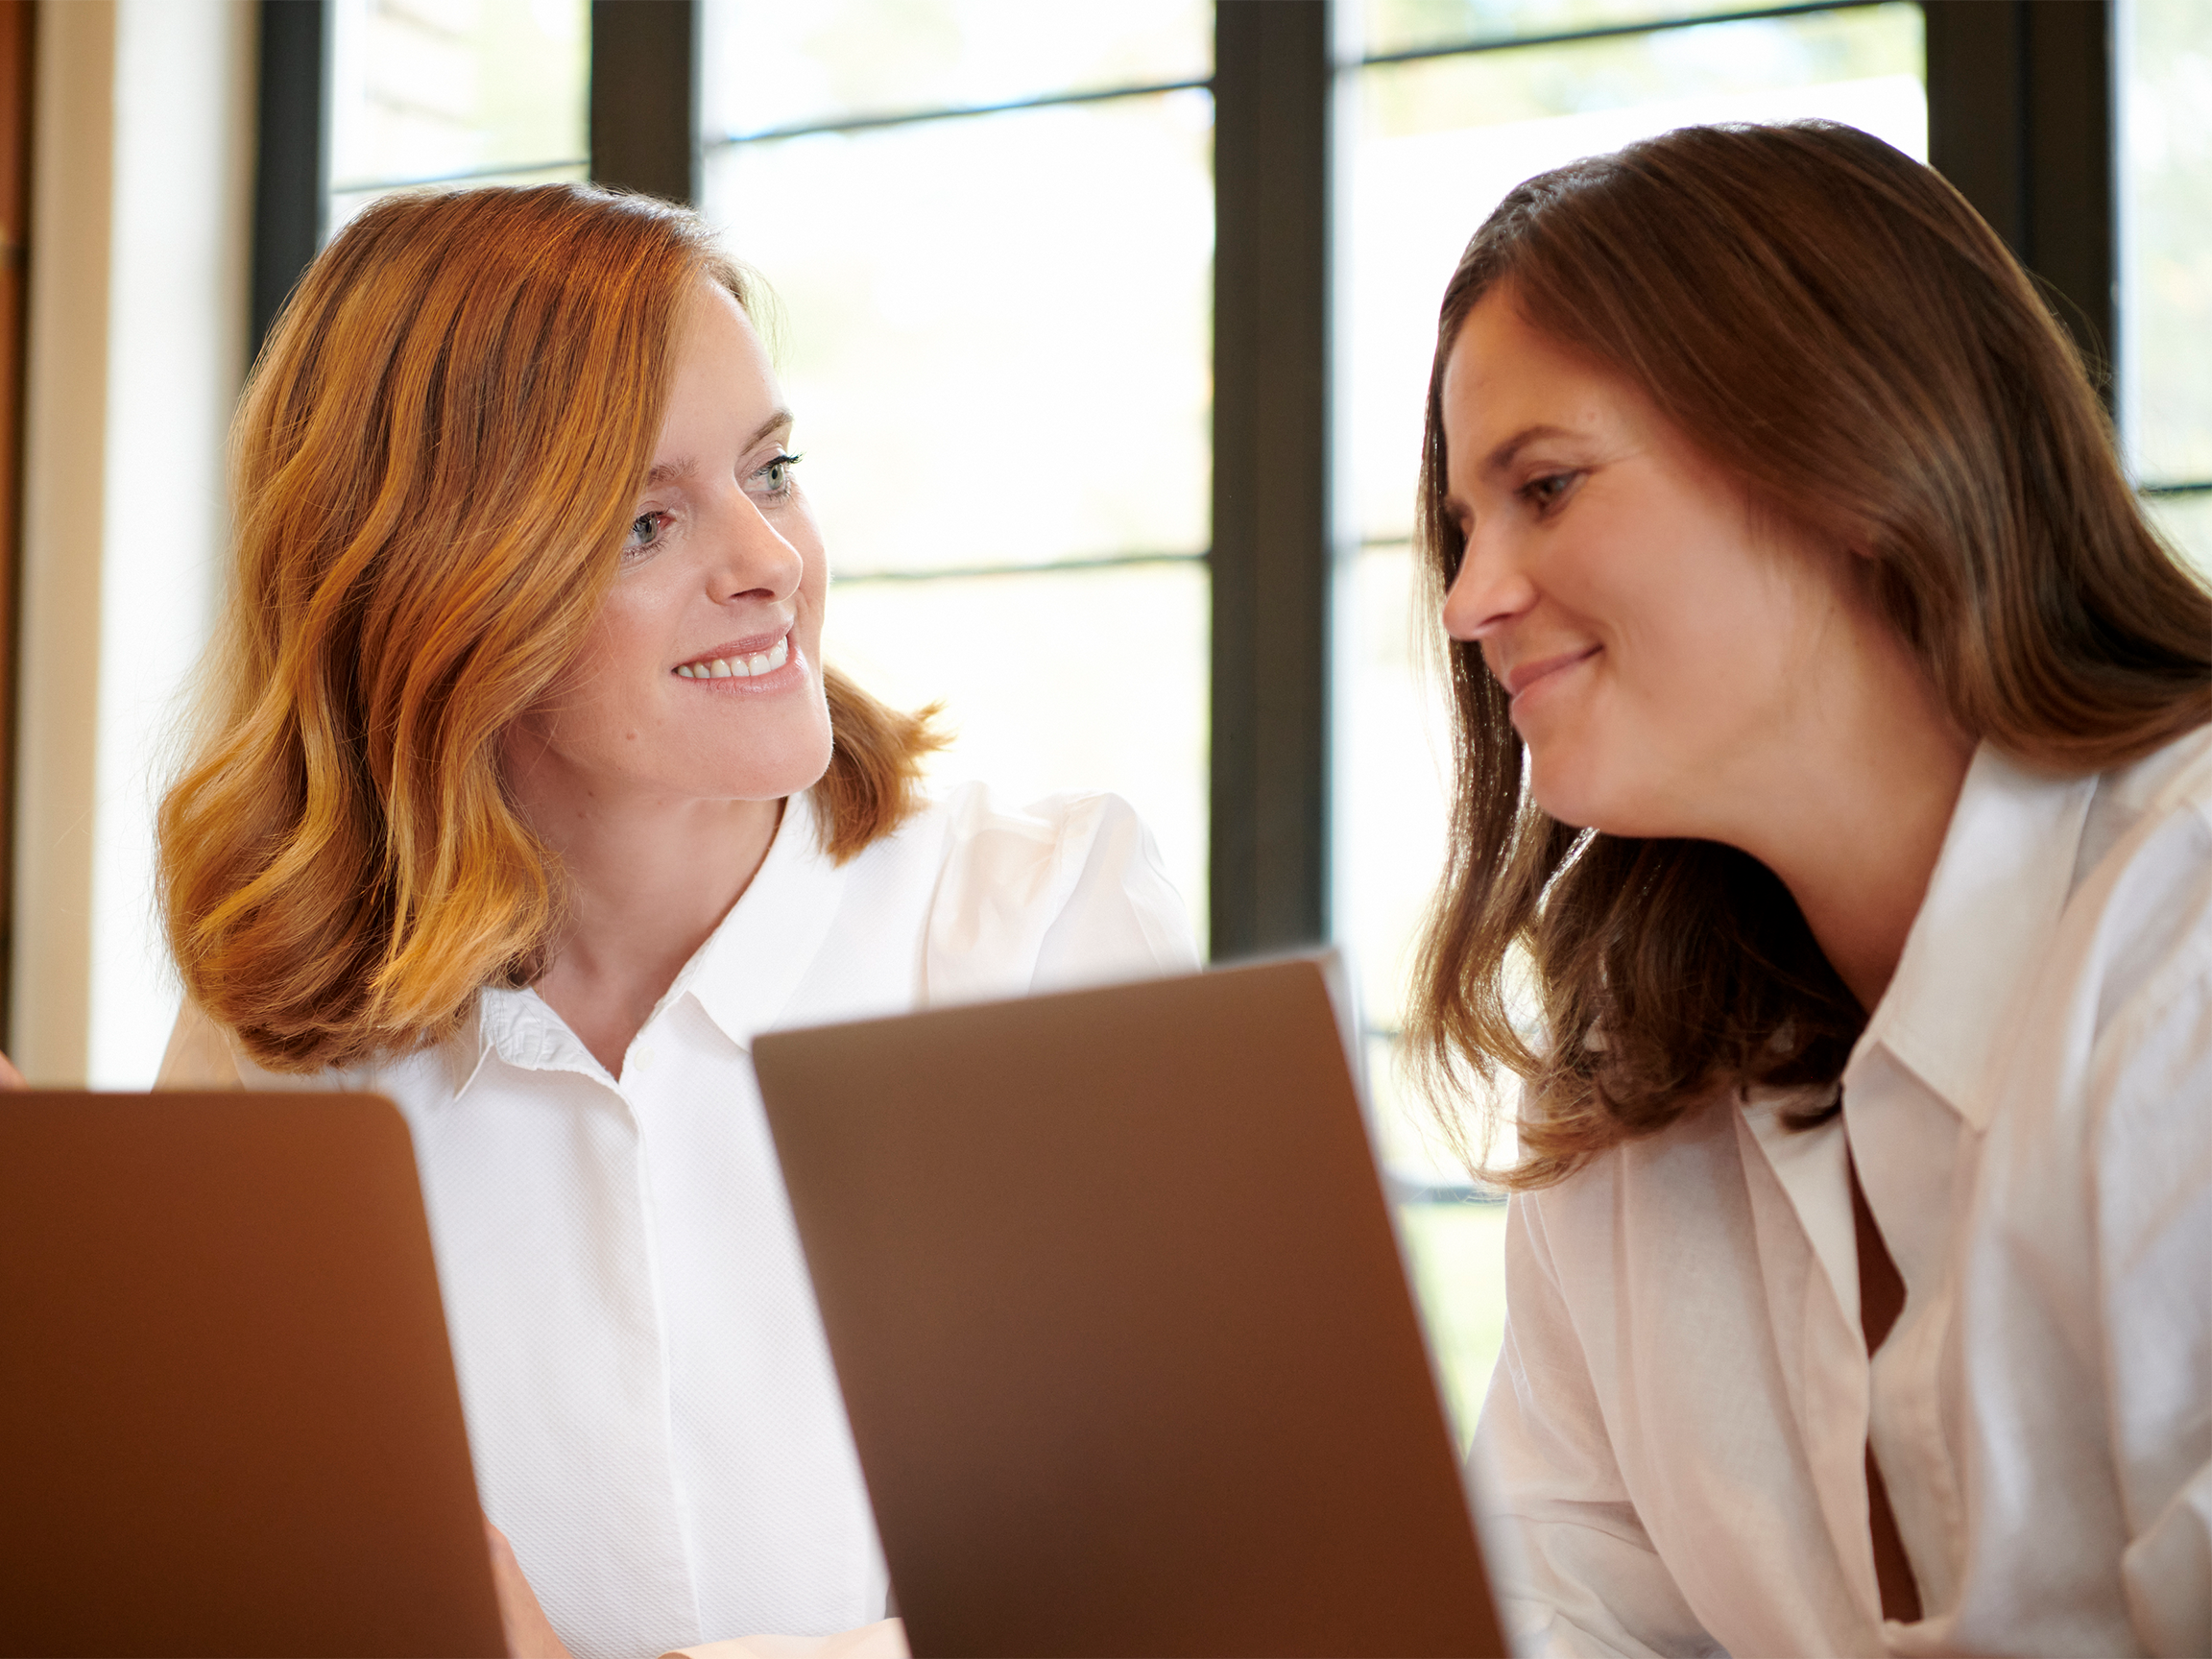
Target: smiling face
[
  {"x": 700, "y": 678},
  {"x": 1663, "y": 646}
]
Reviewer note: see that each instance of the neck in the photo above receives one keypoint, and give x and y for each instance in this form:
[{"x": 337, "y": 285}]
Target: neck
[
  {"x": 1854, "y": 822},
  {"x": 649, "y": 880}
]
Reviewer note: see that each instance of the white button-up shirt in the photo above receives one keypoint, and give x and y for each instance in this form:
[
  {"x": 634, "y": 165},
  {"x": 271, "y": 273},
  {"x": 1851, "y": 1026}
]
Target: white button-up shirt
[
  {"x": 1674, "y": 1441},
  {"x": 650, "y": 1402}
]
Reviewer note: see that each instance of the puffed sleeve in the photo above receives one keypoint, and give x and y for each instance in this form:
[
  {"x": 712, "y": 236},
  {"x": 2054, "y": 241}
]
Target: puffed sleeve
[
  {"x": 1063, "y": 892},
  {"x": 1123, "y": 918},
  {"x": 1575, "y": 1572}
]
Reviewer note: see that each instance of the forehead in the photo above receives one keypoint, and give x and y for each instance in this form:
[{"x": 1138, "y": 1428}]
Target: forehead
[
  {"x": 713, "y": 326},
  {"x": 1503, "y": 374},
  {"x": 720, "y": 375}
]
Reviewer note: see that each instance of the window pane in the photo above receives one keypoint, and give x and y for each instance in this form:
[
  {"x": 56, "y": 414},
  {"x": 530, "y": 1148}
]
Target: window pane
[
  {"x": 1412, "y": 25},
  {"x": 2166, "y": 258},
  {"x": 345, "y": 203},
  {"x": 771, "y": 65},
  {"x": 995, "y": 330},
  {"x": 1392, "y": 779},
  {"x": 1438, "y": 142},
  {"x": 1457, "y": 1249},
  {"x": 2187, "y": 524},
  {"x": 1071, "y": 680},
  {"x": 436, "y": 88}
]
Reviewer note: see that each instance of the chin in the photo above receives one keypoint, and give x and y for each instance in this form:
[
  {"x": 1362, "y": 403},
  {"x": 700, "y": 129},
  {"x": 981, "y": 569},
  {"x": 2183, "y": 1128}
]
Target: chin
[
  {"x": 795, "y": 766},
  {"x": 1559, "y": 791},
  {"x": 1584, "y": 795},
  {"x": 1609, "y": 814}
]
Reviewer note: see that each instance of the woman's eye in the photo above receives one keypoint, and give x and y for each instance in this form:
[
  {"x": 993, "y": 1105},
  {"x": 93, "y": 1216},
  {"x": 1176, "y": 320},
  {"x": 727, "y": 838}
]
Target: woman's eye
[
  {"x": 775, "y": 479},
  {"x": 645, "y": 533},
  {"x": 1548, "y": 490}
]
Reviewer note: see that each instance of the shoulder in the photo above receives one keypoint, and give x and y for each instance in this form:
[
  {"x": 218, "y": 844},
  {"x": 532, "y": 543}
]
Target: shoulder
[
  {"x": 2169, "y": 789},
  {"x": 2141, "y": 906},
  {"x": 1690, "y": 1171},
  {"x": 2105, "y": 1060},
  {"x": 202, "y": 1055},
  {"x": 984, "y": 830},
  {"x": 1059, "y": 891},
  {"x": 1025, "y": 853}
]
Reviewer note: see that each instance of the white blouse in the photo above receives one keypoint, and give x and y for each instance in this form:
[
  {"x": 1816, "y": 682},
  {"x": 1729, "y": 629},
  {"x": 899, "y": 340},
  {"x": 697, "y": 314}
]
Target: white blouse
[
  {"x": 650, "y": 1402},
  {"x": 1673, "y": 1439}
]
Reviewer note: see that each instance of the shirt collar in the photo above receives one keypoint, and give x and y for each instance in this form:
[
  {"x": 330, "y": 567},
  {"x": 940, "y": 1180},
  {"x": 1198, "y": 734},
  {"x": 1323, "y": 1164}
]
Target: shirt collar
[
  {"x": 1993, "y": 903},
  {"x": 521, "y": 1029},
  {"x": 743, "y": 976}
]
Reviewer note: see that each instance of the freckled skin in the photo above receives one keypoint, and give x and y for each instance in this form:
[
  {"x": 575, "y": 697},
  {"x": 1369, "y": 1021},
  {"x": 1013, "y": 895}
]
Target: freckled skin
[{"x": 728, "y": 564}]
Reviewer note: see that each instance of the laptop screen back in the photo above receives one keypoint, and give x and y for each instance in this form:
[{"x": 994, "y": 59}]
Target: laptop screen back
[
  {"x": 1122, "y": 1328},
  {"x": 228, "y": 1423}
]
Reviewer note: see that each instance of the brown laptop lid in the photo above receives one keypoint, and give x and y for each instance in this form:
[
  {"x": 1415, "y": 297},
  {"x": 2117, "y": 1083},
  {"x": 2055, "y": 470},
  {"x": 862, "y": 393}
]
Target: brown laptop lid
[
  {"x": 1122, "y": 1328},
  {"x": 227, "y": 1406}
]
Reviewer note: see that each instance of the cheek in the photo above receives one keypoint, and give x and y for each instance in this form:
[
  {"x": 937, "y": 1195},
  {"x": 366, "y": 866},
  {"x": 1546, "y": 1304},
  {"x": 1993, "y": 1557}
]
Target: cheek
[
  {"x": 813, "y": 606},
  {"x": 1734, "y": 685},
  {"x": 633, "y": 639},
  {"x": 1702, "y": 622}
]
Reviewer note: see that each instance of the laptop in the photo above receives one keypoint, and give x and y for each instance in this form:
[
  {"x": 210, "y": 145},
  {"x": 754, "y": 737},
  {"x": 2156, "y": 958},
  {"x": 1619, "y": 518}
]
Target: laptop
[
  {"x": 1122, "y": 1328},
  {"x": 229, "y": 1422}
]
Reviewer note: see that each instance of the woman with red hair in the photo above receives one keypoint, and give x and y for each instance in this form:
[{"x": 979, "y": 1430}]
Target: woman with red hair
[{"x": 523, "y": 797}]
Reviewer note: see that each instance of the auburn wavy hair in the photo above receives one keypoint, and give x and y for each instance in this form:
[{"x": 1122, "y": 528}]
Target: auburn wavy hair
[
  {"x": 433, "y": 467},
  {"x": 1832, "y": 325}
]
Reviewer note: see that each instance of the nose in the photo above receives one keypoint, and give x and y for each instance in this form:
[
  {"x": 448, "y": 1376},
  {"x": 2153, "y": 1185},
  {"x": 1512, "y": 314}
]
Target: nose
[
  {"x": 1491, "y": 588},
  {"x": 749, "y": 557}
]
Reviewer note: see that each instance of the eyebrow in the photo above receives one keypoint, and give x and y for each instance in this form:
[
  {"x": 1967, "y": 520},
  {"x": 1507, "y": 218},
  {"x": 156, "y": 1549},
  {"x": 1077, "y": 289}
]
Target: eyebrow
[
  {"x": 664, "y": 472},
  {"x": 1501, "y": 457}
]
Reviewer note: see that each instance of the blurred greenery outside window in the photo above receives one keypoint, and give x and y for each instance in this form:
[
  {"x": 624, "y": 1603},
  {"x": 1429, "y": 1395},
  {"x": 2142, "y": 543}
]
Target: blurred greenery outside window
[{"x": 986, "y": 228}]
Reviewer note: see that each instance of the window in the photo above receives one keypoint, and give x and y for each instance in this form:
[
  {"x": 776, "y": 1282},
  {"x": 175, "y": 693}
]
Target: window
[
  {"x": 444, "y": 92},
  {"x": 2165, "y": 396},
  {"x": 988, "y": 229}
]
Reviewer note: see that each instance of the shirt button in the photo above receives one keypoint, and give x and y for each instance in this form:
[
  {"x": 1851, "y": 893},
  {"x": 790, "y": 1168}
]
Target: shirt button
[{"x": 643, "y": 1057}]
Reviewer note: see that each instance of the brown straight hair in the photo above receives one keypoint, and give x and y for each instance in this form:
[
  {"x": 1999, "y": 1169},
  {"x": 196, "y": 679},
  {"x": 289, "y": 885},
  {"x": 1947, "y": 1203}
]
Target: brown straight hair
[
  {"x": 433, "y": 464},
  {"x": 1833, "y": 326}
]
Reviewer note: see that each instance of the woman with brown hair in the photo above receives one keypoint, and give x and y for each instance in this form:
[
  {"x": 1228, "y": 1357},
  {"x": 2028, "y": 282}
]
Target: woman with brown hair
[
  {"x": 1833, "y": 872},
  {"x": 523, "y": 798}
]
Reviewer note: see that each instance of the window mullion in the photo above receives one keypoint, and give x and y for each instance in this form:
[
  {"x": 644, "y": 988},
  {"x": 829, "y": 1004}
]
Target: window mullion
[
  {"x": 1271, "y": 477},
  {"x": 644, "y": 119}
]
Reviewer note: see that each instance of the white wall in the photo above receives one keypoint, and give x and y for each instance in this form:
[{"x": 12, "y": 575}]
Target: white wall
[{"x": 142, "y": 218}]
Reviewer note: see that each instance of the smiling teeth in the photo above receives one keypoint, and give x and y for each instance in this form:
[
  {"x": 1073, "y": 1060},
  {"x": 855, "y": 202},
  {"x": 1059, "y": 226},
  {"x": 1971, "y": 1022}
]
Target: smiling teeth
[{"x": 740, "y": 667}]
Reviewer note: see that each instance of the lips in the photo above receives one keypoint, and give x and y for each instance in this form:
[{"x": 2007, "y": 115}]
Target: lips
[
  {"x": 1522, "y": 676},
  {"x": 739, "y": 658}
]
